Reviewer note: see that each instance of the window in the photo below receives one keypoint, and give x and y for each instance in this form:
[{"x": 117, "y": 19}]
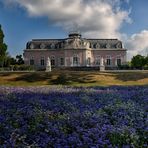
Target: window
[
  {"x": 108, "y": 60},
  {"x": 94, "y": 45},
  {"x": 89, "y": 61},
  {"x": 97, "y": 60},
  {"x": 90, "y": 45},
  {"x": 42, "y": 61},
  {"x": 97, "y": 45},
  {"x": 75, "y": 61},
  {"x": 52, "y": 46},
  {"x": 118, "y": 62},
  {"x": 61, "y": 61},
  {"x": 52, "y": 61},
  {"x": 32, "y": 61}
]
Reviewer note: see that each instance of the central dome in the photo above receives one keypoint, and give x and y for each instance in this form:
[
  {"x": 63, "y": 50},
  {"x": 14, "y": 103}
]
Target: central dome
[{"x": 74, "y": 34}]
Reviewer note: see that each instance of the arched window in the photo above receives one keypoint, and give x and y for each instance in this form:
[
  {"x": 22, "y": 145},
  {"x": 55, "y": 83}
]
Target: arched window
[
  {"x": 76, "y": 60},
  {"x": 97, "y": 60},
  {"x": 62, "y": 61},
  {"x": 118, "y": 61},
  {"x": 94, "y": 45},
  {"x": 90, "y": 45},
  {"x": 52, "y": 60},
  {"x": 88, "y": 61},
  {"x": 42, "y": 61},
  {"x": 108, "y": 60},
  {"x": 32, "y": 61}
]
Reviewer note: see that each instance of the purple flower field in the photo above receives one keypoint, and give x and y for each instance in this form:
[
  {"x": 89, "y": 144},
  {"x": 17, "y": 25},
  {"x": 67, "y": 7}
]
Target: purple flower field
[{"x": 74, "y": 117}]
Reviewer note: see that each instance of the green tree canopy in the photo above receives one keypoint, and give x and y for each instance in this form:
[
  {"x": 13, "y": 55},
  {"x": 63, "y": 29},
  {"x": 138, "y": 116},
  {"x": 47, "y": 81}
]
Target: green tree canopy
[
  {"x": 3, "y": 48},
  {"x": 146, "y": 60},
  {"x": 19, "y": 60},
  {"x": 138, "y": 61},
  {"x": 1, "y": 35}
]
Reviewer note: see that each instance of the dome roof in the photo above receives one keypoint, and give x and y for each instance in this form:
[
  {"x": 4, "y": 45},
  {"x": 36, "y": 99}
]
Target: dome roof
[{"x": 74, "y": 34}]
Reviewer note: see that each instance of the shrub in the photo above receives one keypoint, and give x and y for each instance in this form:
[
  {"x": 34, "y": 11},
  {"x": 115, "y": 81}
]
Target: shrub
[{"x": 21, "y": 68}]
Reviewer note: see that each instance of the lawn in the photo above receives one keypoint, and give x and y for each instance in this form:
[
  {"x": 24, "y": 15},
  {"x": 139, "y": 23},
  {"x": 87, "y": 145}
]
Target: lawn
[
  {"x": 74, "y": 78},
  {"x": 73, "y": 117}
]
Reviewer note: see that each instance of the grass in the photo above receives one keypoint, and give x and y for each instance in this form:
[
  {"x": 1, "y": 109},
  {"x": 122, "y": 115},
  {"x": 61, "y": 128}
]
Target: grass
[{"x": 74, "y": 78}]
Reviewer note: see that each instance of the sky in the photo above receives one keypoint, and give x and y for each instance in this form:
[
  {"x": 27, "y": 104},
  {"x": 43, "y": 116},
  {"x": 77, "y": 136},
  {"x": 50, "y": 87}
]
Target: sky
[{"x": 24, "y": 20}]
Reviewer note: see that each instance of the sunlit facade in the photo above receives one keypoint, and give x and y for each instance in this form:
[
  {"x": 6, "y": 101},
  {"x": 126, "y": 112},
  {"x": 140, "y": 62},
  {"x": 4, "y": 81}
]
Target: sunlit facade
[{"x": 75, "y": 51}]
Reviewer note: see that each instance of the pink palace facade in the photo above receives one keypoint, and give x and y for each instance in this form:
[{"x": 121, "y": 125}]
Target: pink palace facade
[{"x": 75, "y": 51}]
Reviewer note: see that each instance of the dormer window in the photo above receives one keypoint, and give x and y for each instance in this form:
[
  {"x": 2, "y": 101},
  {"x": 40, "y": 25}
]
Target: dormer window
[
  {"x": 119, "y": 45},
  {"x": 97, "y": 45},
  {"x": 42, "y": 46},
  {"x": 52, "y": 46},
  {"x": 31, "y": 46},
  {"x": 94, "y": 45},
  {"x": 90, "y": 45},
  {"x": 108, "y": 45}
]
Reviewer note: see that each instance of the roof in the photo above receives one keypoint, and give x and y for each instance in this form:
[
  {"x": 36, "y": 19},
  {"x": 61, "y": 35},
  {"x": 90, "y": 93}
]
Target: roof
[{"x": 73, "y": 39}]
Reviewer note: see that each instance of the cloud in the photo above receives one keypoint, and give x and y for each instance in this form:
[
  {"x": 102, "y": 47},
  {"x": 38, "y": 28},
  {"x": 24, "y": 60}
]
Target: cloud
[
  {"x": 94, "y": 18},
  {"x": 138, "y": 44}
]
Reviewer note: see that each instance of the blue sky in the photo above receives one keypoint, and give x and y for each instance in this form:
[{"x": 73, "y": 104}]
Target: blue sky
[{"x": 23, "y": 20}]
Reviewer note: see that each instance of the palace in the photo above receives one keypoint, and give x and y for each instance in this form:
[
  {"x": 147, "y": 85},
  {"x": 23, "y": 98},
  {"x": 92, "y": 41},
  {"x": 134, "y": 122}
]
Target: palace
[{"x": 75, "y": 51}]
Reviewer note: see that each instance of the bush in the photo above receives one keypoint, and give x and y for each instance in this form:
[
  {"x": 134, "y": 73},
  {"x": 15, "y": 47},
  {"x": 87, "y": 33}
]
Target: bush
[
  {"x": 145, "y": 67},
  {"x": 5, "y": 69},
  {"x": 61, "y": 79},
  {"x": 124, "y": 67},
  {"x": 21, "y": 67}
]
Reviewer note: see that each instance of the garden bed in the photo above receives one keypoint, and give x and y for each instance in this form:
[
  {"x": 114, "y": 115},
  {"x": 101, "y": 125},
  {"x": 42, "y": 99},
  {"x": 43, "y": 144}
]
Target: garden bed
[{"x": 73, "y": 116}]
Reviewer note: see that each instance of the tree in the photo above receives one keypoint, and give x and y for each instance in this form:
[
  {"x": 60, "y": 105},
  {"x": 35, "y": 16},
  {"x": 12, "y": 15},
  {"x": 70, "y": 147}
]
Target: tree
[
  {"x": 3, "y": 48},
  {"x": 9, "y": 61},
  {"x": 138, "y": 61},
  {"x": 146, "y": 60},
  {"x": 19, "y": 60}
]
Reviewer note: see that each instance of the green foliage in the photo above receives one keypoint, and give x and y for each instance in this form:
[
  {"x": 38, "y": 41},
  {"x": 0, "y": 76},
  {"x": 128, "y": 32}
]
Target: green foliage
[
  {"x": 61, "y": 79},
  {"x": 3, "y": 48},
  {"x": 11, "y": 61},
  {"x": 138, "y": 61},
  {"x": 146, "y": 60},
  {"x": 1, "y": 35},
  {"x": 21, "y": 68},
  {"x": 124, "y": 66},
  {"x": 145, "y": 67},
  {"x": 19, "y": 60}
]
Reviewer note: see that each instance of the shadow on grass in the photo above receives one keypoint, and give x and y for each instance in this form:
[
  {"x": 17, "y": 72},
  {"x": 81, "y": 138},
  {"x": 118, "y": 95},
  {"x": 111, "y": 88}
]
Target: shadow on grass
[
  {"x": 52, "y": 78},
  {"x": 68, "y": 79},
  {"x": 71, "y": 77},
  {"x": 33, "y": 77},
  {"x": 131, "y": 76}
]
